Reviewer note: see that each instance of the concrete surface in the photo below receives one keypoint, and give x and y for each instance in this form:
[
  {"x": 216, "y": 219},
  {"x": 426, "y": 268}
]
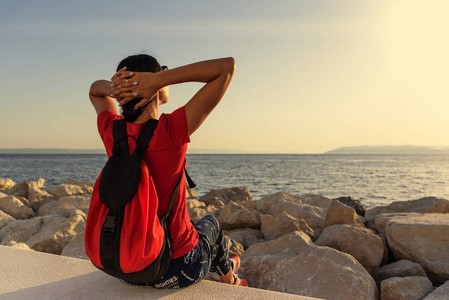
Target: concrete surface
[{"x": 26, "y": 274}]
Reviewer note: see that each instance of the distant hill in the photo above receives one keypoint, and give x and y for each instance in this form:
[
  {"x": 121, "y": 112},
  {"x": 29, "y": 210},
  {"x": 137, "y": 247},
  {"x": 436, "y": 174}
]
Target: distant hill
[
  {"x": 390, "y": 150},
  {"x": 51, "y": 151}
]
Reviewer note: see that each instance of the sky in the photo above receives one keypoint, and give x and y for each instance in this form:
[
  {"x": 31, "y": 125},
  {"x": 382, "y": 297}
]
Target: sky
[{"x": 311, "y": 76}]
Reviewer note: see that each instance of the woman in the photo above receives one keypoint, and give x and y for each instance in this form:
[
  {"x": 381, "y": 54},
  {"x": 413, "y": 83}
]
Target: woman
[{"x": 140, "y": 86}]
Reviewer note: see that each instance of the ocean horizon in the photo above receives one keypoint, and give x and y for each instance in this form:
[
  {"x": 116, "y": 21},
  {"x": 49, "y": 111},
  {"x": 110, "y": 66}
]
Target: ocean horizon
[{"x": 373, "y": 179}]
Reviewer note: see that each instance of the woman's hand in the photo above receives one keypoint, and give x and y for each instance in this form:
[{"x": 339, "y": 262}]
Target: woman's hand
[{"x": 130, "y": 85}]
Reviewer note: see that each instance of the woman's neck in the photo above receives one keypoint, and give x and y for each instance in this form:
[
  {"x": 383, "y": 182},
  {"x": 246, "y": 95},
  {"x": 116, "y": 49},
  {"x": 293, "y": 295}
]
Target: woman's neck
[{"x": 150, "y": 111}]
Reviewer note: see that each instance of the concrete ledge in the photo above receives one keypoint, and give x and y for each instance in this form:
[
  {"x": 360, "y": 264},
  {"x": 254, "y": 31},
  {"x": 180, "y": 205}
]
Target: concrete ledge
[{"x": 26, "y": 274}]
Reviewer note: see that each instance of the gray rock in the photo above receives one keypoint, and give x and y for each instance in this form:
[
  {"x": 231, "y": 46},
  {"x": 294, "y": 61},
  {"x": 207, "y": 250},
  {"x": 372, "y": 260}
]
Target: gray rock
[
  {"x": 5, "y": 219},
  {"x": 405, "y": 288},
  {"x": 400, "y": 268},
  {"x": 440, "y": 293},
  {"x": 75, "y": 248},
  {"x": 66, "y": 205},
  {"x": 245, "y": 236}
]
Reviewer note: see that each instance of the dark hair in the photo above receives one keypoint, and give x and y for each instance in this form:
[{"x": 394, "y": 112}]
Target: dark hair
[{"x": 137, "y": 63}]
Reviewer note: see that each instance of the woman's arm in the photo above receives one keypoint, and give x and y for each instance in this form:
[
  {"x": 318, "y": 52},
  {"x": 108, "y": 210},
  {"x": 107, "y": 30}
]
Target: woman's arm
[
  {"x": 99, "y": 95},
  {"x": 217, "y": 74}
]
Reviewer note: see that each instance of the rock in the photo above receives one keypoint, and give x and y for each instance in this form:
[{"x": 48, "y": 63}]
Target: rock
[
  {"x": 193, "y": 203},
  {"x": 5, "y": 219},
  {"x": 19, "y": 246},
  {"x": 38, "y": 197},
  {"x": 190, "y": 193},
  {"x": 370, "y": 222},
  {"x": 423, "y": 205},
  {"x": 21, "y": 189},
  {"x": 245, "y": 236},
  {"x": 422, "y": 239},
  {"x": 19, "y": 231},
  {"x": 293, "y": 264},
  {"x": 359, "y": 208},
  {"x": 226, "y": 195},
  {"x": 400, "y": 268},
  {"x": 65, "y": 205},
  {"x": 235, "y": 215},
  {"x": 15, "y": 208},
  {"x": 48, "y": 234},
  {"x": 234, "y": 247},
  {"x": 382, "y": 220},
  {"x": 63, "y": 190},
  {"x": 361, "y": 243},
  {"x": 213, "y": 211},
  {"x": 6, "y": 183},
  {"x": 339, "y": 213},
  {"x": 440, "y": 293},
  {"x": 87, "y": 186},
  {"x": 405, "y": 288},
  {"x": 196, "y": 214},
  {"x": 295, "y": 205},
  {"x": 75, "y": 248},
  {"x": 274, "y": 227},
  {"x": 386, "y": 256}
]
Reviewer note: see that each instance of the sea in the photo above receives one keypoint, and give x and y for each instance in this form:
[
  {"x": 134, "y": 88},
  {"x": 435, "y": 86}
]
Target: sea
[{"x": 373, "y": 179}]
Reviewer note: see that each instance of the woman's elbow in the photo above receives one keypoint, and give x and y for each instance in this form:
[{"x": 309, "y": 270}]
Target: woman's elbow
[{"x": 230, "y": 65}]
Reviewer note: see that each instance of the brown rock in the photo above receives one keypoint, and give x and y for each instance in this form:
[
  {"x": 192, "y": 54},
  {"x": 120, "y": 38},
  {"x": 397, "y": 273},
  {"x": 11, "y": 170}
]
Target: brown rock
[
  {"x": 66, "y": 205},
  {"x": 235, "y": 215},
  {"x": 63, "y": 190},
  {"x": 15, "y": 208},
  {"x": 339, "y": 213},
  {"x": 226, "y": 195},
  {"x": 5, "y": 219},
  {"x": 21, "y": 189},
  {"x": 361, "y": 243},
  {"x": 274, "y": 227},
  {"x": 422, "y": 239},
  {"x": 423, "y": 205},
  {"x": 405, "y": 288},
  {"x": 440, "y": 293},
  {"x": 245, "y": 236},
  {"x": 234, "y": 247},
  {"x": 294, "y": 264},
  {"x": 75, "y": 248},
  {"x": 6, "y": 183}
]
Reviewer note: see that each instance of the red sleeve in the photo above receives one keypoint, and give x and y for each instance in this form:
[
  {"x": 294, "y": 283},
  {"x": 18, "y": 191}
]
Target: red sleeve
[
  {"x": 105, "y": 120},
  {"x": 175, "y": 125}
]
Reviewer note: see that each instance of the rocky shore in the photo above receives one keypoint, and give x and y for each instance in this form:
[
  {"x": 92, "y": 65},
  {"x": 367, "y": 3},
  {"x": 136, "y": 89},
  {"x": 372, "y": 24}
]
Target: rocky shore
[{"x": 301, "y": 244}]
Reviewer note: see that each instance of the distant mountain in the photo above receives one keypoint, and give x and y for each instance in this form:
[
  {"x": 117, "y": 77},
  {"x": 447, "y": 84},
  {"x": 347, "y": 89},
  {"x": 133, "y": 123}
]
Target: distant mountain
[
  {"x": 390, "y": 150},
  {"x": 51, "y": 151}
]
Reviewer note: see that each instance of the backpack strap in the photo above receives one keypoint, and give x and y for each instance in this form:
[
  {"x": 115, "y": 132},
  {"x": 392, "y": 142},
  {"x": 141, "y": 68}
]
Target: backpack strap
[
  {"x": 145, "y": 137},
  {"x": 120, "y": 142}
]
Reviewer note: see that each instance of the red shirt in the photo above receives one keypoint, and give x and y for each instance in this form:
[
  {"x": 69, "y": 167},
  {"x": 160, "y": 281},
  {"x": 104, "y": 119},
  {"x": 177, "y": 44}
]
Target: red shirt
[{"x": 165, "y": 158}]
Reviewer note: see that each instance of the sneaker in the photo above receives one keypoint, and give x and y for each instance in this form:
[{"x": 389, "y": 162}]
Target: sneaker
[
  {"x": 235, "y": 262},
  {"x": 239, "y": 281}
]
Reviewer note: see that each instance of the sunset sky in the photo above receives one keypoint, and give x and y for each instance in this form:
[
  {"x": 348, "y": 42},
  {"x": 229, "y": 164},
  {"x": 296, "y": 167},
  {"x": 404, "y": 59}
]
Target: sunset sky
[{"x": 311, "y": 75}]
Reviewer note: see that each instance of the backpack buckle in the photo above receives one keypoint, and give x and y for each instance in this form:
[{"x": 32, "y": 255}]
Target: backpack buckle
[{"x": 109, "y": 224}]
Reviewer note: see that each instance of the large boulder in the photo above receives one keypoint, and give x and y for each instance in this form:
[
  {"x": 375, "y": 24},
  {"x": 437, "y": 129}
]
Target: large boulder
[
  {"x": 422, "y": 239},
  {"x": 234, "y": 247},
  {"x": 66, "y": 205},
  {"x": 339, "y": 213},
  {"x": 63, "y": 190},
  {"x": 298, "y": 206},
  {"x": 234, "y": 215},
  {"x": 196, "y": 214},
  {"x": 361, "y": 243},
  {"x": 400, "y": 268},
  {"x": 294, "y": 264},
  {"x": 5, "y": 219},
  {"x": 274, "y": 227},
  {"x": 440, "y": 293},
  {"x": 38, "y": 197},
  {"x": 226, "y": 195},
  {"x": 405, "y": 288},
  {"x": 423, "y": 205},
  {"x": 48, "y": 234},
  {"x": 15, "y": 208},
  {"x": 245, "y": 236},
  {"x": 359, "y": 208},
  {"x": 381, "y": 220},
  {"x": 6, "y": 183}
]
